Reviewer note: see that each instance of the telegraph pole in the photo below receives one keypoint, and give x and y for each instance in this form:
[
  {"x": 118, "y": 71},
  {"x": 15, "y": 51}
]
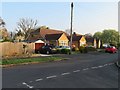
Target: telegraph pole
[{"x": 71, "y": 26}]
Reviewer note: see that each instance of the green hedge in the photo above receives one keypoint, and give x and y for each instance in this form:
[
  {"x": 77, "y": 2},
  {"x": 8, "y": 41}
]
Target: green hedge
[
  {"x": 83, "y": 49},
  {"x": 65, "y": 51}
]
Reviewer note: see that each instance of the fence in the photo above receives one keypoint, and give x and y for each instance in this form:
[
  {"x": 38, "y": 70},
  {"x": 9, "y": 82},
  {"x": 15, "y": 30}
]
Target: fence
[{"x": 14, "y": 49}]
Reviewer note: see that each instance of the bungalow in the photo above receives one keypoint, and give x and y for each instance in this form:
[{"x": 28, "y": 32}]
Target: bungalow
[
  {"x": 56, "y": 37},
  {"x": 78, "y": 40},
  {"x": 90, "y": 41}
]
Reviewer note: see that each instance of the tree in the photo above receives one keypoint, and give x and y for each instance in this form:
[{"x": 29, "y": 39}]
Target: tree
[
  {"x": 2, "y": 23},
  {"x": 88, "y": 34},
  {"x": 110, "y": 36},
  {"x": 25, "y": 26},
  {"x": 67, "y": 31},
  {"x": 97, "y": 35},
  {"x": 44, "y": 27}
]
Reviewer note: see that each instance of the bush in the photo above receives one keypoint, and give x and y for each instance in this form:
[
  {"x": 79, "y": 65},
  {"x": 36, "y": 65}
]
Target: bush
[
  {"x": 75, "y": 49},
  {"x": 91, "y": 49},
  {"x": 58, "y": 51},
  {"x": 82, "y": 49},
  {"x": 65, "y": 51}
]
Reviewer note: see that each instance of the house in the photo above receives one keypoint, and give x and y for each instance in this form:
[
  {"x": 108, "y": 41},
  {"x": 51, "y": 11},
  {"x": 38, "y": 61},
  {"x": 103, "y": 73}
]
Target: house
[
  {"x": 91, "y": 41},
  {"x": 78, "y": 40},
  {"x": 51, "y": 36},
  {"x": 59, "y": 39}
]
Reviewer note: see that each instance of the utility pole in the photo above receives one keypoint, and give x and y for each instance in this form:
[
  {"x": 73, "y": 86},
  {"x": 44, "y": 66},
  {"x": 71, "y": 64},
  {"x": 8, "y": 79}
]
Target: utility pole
[{"x": 71, "y": 26}]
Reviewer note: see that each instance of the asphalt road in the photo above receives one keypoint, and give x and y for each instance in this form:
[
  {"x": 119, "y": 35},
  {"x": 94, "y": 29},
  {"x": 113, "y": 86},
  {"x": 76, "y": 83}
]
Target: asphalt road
[{"x": 92, "y": 70}]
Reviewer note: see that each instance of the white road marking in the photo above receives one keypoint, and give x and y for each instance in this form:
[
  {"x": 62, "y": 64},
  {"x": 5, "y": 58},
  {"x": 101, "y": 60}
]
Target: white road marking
[
  {"x": 85, "y": 69},
  {"x": 27, "y": 85},
  {"x": 105, "y": 64},
  {"x": 65, "y": 73},
  {"x": 76, "y": 71},
  {"x": 38, "y": 79},
  {"x": 100, "y": 66},
  {"x": 51, "y": 76},
  {"x": 94, "y": 67}
]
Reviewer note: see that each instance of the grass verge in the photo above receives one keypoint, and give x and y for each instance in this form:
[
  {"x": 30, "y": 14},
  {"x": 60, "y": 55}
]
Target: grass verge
[{"x": 31, "y": 60}]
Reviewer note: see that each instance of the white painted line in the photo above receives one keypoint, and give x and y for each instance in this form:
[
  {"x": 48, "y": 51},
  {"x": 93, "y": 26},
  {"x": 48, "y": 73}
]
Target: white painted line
[
  {"x": 94, "y": 67},
  {"x": 51, "y": 76},
  {"x": 76, "y": 71},
  {"x": 38, "y": 79},
  {"x": 27, "y": 85},
  {"x": 86, "y": 69},
  {"x": 100, "y": 66},
  {"x": 65, "y": 73},
  {"x": 105, "y": 64}
]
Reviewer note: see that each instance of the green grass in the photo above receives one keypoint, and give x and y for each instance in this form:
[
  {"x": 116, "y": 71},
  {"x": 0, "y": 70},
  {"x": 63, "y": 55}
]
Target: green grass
[{"x": 30, "y": 60}]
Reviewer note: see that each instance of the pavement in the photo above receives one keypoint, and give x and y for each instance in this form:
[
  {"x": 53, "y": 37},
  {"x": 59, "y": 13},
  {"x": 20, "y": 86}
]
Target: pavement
[{"x": 91, "y": 70}]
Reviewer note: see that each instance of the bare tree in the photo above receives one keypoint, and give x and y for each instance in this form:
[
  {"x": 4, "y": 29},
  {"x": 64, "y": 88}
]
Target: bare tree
[
  {"x": 2, "y": 23},
  {"x": 25, "y": 26},
  {"x": 67, "y": 31}
]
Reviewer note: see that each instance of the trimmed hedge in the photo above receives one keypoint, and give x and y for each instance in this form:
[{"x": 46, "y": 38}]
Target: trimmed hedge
[
  {"x": 83, "y": 49},
  {"x": 65, "y": 51}
]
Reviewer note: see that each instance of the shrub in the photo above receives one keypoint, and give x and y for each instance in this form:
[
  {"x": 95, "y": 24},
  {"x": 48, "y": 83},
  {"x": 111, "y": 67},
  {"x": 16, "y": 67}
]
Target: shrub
[
  {"x": 58, "y": 51},
  {"x": 91, "y": 49},
  {"x": 81, "y": 49},
  {"x": 75, "y": 49},
  {"x": 65, "y": 51}
]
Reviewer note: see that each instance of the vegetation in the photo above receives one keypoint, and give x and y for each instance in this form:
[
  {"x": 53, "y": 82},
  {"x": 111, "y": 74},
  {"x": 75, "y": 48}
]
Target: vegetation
[
  {"x": 75, "y": 49},
  {"x": 30, "y": 60},
  {"x": 82, "y": 49},
  {"x": 2, "y": 23},
  {"x": 65, "y": 51},
  {"x": 44, "y": 27},
  {"x": 25, "y": 27},
  {"x": 108, "y": 36}
]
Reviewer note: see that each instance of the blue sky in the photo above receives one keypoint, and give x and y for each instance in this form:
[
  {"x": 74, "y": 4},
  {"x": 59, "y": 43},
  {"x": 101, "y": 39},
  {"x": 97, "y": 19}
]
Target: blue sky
[{"x": 89, "y": 17}]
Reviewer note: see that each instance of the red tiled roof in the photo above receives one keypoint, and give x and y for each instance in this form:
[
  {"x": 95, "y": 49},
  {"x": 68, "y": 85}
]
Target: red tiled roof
[
  {"x": 43, "y": 32},
  {"x": 40, "y": 33}
]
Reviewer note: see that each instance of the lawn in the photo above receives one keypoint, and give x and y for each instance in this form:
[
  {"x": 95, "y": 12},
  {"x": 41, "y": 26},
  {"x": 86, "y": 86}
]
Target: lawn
[{"x": 31, "y": 60}]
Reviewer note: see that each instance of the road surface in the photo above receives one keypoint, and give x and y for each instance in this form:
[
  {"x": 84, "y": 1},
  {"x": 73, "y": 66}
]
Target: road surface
[{"x": 91, "y": 70}]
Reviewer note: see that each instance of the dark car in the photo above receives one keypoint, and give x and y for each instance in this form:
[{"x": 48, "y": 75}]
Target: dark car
[
  {"x": 111, "y": 49},
  {"x": 48, "y": 49}
]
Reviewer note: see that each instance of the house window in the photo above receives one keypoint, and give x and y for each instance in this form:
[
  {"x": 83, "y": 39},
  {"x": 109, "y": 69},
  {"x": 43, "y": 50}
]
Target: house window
[{"x": 63, "y": 43}]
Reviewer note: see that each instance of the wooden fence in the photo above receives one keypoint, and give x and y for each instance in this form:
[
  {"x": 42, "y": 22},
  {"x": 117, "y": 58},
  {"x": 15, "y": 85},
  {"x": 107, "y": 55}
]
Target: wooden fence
[{"x": 14, "y": 49}]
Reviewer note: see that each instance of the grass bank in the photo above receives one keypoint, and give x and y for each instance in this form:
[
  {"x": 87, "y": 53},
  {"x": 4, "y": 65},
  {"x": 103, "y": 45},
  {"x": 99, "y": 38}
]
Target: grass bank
[{"x": 31, "y": 60}]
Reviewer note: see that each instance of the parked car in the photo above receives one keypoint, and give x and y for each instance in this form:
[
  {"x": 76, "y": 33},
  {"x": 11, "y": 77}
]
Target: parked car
[
  {"x": 111, "y": 49},
  {"x": 48, "y": 49},
  {"x": 62, "y": 47}
]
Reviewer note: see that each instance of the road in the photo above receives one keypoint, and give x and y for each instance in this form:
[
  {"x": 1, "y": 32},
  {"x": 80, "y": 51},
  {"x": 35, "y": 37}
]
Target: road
[{"x": 92, "y": 70}]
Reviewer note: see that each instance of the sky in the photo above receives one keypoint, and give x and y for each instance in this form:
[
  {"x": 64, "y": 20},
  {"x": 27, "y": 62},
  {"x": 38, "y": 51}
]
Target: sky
[{"x": 88, "y": 17}]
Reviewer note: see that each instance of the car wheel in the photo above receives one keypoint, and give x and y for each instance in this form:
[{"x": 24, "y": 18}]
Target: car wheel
[{"x": 48, "y": 52}]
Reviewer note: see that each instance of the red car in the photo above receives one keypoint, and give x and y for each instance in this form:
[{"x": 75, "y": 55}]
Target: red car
[{"x": 111, "y": 49}]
